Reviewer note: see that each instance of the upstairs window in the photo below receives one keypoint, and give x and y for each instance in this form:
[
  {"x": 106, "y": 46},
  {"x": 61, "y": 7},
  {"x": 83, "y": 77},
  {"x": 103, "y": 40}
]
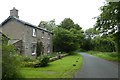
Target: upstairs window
[
  {"x": 48, "y": 35},
  {"x": 34, "y": 32},
  {"x": 43, "y": 32}
]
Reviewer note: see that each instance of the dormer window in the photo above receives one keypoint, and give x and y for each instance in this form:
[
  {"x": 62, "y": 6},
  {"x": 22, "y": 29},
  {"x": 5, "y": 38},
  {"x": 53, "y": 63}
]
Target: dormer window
[{"x": 34, "y": 32}]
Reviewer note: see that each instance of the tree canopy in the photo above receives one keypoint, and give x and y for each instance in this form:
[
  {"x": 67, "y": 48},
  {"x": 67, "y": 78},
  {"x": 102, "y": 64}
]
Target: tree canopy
[
  {"x": 68, "y": 23},
  {"x": 67, "y": 36},
  {"x": 49, "y": 25},
  {"x": 108, "y": 22}
]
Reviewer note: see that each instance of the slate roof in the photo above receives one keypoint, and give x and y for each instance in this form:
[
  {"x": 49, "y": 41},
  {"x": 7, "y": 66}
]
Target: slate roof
[
  {"x": 23, "y": 22},
  {"x": 4, "y": 35}
]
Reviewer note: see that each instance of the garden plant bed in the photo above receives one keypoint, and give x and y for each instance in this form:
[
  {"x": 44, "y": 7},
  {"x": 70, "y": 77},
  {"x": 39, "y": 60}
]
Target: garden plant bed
[{"x": 62, "y": 68}]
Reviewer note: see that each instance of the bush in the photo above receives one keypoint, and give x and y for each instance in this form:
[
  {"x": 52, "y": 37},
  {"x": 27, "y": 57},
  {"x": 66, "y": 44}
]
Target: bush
[
  {"x": 113, "y": 54},
  {"x": 10, "y": 63},
  {"x": 72, "y": 53},
  {"x": 28, "y": 64},
  {"x": 43, "y": 61},
  {"x": 27, "y": 59},
  {"x": 66, "y": 40}
]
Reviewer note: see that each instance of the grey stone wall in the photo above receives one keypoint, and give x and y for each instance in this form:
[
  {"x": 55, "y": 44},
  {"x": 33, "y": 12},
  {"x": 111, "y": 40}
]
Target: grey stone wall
[{"x": 16, "y": 30}]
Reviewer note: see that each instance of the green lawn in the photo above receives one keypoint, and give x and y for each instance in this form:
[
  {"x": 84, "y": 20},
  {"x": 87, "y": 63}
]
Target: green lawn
[
  {"x": 111, "y": 56},
  {"x": 62, "y": 68}
]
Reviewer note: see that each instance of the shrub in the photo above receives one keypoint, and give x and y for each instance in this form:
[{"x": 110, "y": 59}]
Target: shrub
[
  {"x": 28, "y": 64},
  {"x": 40, "y": 49},
  {"x": 72, "y": 53},
  {"x": 43, "y": 61},
  {"x": 113, "y": 54},
  {"x": 10, "y": 63},
  {"x": 27, "y": 59}
]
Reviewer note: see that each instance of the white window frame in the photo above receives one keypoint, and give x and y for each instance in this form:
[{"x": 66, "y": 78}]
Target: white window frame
[
  {"x": 33, "y": 53},
  {"x": 34, "y": 33}
]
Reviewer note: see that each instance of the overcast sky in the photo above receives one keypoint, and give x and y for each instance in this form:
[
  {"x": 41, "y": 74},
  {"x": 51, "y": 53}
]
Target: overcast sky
[{"x": 34, "y": 11}]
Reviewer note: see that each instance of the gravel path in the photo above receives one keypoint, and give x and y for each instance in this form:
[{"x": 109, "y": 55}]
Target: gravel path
[{"x": 94, "y": 67}]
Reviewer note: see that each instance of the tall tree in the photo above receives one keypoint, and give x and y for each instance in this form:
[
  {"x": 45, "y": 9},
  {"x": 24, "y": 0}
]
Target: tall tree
[
  {"x": 108, "y": 22},
  {"x": 68, "y": 23},
  {"x": 64, "y": 40},
  {"x": 49, "y": 25},
  {"x": 91, "y": 33}
]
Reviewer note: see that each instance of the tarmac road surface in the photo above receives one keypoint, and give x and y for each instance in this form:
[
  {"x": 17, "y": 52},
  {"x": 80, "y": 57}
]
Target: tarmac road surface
[{"x": 94, "y": 67}]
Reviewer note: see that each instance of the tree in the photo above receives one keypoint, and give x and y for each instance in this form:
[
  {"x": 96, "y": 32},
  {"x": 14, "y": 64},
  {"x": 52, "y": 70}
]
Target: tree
[
  {"x": 94, "y": 41},
  {"x": 49, "y": 25},
  {"x": 104, "y": 43},
  {"x": 64, "y": 40},
  {"x": 108, "y": 22},
  {"x": 76, "y": 26},
  {"x": 68, "y": 23},
  {"x": 78, "y": 34},
  {"x": 91, "y": 33}
]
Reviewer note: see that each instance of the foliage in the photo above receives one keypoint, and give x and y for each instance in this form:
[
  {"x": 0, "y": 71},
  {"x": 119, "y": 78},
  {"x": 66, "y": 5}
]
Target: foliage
[
  {"x": 87, "y": 44},
  {"x": 64, "y": 40},
  {"x": 91, "y": 33},
  {"x": 104, "y": 44},
  {"x": 52, "y": 54},
  {"x": 27, "y": 59},
  {"x": 40, "y": 49},
  {"x": 112, "y": 56},
  {"x": 28, "y": 64},
  {"x": 49, "y": 25},
  {"x": 43, "y": 61},
  {"x": 10, "y": 62},
  {"x": 62, "y": 68},
  {"x": 68, "y": 23},
  {"x": 109, "y": 21},
  {"x": 94, "y": 41},
  {"x": 67, "y": 36},
  {"x": 78, "y": 35},
  {"x": 4, "y": 39}
]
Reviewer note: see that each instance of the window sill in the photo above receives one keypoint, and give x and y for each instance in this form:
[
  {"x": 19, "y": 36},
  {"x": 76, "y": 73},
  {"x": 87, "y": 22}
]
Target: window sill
[
  {"x": 34, "y": 36},
  {"x": 33, "y": 54}
]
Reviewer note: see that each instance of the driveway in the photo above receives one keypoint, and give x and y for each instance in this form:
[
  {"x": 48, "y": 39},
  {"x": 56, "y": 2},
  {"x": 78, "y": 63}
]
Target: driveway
[{"x": 94, "y": 67}]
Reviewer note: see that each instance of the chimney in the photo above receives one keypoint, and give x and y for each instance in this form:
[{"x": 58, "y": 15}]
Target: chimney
[{"x": 14, "y": 12}]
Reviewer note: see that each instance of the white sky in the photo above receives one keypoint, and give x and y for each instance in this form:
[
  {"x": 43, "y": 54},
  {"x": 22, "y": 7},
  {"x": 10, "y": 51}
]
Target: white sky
[{"x": 34, "y": 11}]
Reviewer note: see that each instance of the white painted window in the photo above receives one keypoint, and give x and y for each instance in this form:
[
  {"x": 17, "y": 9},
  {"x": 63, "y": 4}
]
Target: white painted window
[
  {"x": 34, "y": 32},
  {"x": 33, "y": 49},
  {"x": 48, "y": 48}
]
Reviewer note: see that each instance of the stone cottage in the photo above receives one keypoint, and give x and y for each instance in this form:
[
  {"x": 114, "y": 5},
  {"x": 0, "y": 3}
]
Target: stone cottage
[{"x": 25, "y": 35}]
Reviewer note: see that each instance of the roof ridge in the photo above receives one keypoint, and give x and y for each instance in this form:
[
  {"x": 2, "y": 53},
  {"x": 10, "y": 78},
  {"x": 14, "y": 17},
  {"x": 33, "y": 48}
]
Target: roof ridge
[{"x": 26, "y": 23}]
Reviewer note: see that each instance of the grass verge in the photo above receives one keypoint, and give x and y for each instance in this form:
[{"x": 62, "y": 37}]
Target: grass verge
[
  {"x": 62, "y": 68},
  {"x": 111, "y": 56}
]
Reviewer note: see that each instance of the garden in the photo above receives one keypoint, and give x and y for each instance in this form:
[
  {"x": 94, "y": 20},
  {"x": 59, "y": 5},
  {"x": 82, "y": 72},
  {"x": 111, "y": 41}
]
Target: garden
[
  {"x": 16, "y": 66},
  {"x": 61, "y": 68}
]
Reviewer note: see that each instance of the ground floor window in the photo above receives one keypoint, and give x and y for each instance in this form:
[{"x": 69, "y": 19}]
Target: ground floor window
[
  {"x": 48, "y": 48},
  {"x": 33, "y": 49}
]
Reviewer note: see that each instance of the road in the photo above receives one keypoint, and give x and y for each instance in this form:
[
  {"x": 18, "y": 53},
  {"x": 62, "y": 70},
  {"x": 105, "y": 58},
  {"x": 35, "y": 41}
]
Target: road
[{"x": 94, "y": 67}]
